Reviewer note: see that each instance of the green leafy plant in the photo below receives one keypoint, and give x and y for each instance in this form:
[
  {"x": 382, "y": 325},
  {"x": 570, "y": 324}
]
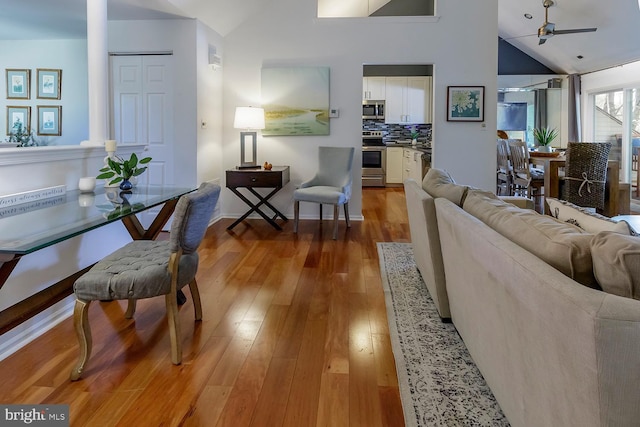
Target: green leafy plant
[
  {"x": 545, "y": 136},
  {"x": 414, "y": 133},
  {"x": 120, "y": 169},
  {"x": 22, "y": 136}
]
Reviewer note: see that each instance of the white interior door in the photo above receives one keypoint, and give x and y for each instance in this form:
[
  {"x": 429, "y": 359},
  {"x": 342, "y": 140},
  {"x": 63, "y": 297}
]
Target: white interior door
[{"x": 142, "y": 113}]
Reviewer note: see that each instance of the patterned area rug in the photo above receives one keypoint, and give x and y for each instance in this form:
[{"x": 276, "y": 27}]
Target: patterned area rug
[{"x": 439, "y": 383}]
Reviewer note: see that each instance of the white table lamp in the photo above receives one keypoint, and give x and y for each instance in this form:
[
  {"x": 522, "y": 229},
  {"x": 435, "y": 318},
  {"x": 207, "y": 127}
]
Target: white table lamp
[{"x": 251, "y": 119}]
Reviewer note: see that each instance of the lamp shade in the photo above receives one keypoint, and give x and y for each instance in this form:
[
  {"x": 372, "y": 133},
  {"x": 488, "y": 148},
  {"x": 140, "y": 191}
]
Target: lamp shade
[{"x": 249, "y": 118}]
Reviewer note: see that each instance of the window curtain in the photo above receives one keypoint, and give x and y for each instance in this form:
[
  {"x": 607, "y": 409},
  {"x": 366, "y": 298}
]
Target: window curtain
[{"x": 574, "y": 108}]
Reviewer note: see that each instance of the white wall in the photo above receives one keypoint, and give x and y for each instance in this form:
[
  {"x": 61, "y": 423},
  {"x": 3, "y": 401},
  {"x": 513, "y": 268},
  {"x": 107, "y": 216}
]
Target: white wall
[
  {"x": 68, "y": 55},
  {"x": 209, "y": 105},
  {"x": 462, "y": 45},
  {"x": 179, "y": 37}
]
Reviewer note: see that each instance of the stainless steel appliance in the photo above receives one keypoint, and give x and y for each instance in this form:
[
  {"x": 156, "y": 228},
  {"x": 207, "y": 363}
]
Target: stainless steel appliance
[
  {"x": 374, "y": 159},
  {"x": 373, "y": 110}
]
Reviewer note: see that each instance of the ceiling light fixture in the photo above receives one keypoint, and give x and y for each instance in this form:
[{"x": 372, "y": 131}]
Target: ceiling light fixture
[{"x": 530, "y": 16}]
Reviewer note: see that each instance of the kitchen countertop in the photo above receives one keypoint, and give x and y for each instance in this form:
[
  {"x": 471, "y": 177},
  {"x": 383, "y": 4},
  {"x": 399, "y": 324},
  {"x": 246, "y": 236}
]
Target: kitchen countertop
[{"x": 425, "y": 147}]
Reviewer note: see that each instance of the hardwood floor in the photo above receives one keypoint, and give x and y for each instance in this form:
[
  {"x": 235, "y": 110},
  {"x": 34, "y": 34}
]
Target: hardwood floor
[{"x": 294, "y": 334}]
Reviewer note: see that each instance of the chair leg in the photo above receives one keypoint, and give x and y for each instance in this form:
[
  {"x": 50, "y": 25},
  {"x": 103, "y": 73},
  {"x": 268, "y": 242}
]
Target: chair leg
[
  {"x": 320, "y": 212},
  {"x": 131, "y": 309},
  {"x": 336, "y": 214},
  {"x": 83, "y": 332},
  {"x": 174, "y": 327},
  {"x": 296, "y": 215},
  {"x": 195, "y": 294},
  {"x": 346, "y": 214}
]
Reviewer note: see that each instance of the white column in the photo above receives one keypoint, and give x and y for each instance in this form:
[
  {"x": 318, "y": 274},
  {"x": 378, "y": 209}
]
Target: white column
[{"x": 98, "y": 70}]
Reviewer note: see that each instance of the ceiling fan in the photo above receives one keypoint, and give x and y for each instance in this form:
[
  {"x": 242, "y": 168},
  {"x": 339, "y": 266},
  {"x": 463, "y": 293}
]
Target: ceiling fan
[{"x": 548, "y": 29}]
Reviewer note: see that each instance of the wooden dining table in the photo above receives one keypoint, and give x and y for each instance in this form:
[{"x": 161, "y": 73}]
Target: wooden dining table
[{"x": 552, "y": 179}]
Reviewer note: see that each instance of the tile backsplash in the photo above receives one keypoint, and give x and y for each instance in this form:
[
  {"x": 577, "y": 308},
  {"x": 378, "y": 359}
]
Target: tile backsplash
[{"x": 398, "y": 131}]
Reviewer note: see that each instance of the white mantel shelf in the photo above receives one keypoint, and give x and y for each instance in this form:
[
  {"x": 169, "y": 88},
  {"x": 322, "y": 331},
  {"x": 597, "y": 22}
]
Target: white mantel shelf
[{"x": 30, "y": 155}]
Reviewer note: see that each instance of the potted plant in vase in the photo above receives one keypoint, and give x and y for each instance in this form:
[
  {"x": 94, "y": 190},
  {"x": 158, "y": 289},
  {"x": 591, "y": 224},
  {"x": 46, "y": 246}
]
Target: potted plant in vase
[
  {"x": 123, "y": 170},
  {"x": 544, "y": 137}
]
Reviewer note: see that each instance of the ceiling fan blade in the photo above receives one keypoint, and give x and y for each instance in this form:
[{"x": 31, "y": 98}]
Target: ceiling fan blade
[{"x": 576, "y": 30}]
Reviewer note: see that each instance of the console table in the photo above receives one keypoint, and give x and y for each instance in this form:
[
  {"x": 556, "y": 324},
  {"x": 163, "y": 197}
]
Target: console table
[
  {"x": 29, "y": 227},
  {"x": 251, "y": 179}
]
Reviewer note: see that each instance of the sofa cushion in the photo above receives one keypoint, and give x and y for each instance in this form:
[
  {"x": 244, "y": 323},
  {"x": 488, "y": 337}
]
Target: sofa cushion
[
  {"x": 563, "y": 246},
  {"x": 589, "y": 221},
  {"x": 438, "y": 183},
  {"x": 616, "y": 263}
]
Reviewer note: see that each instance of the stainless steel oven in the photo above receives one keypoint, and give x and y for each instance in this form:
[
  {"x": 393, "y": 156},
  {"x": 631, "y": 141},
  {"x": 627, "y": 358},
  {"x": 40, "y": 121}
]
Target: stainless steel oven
[{"x": 374, "y": 159}]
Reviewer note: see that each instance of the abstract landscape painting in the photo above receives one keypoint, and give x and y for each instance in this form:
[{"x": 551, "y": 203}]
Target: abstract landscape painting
[{"x": 295, "y": 100}]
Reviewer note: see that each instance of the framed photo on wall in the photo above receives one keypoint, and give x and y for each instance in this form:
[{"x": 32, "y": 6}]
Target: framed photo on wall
[
  {"x": 49, "y": 120},
  {"x": 49, "y": 83},
  {"x": 18, "y": 118},
  {"x": 465, "y": 103},
  {"x": 18, "y": 83}
]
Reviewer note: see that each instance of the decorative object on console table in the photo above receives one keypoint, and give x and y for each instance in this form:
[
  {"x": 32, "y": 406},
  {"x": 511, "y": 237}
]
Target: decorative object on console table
[
  {"x": 49, "y": 83},
  {"x": 50, "y": 120},
  {"x": 249, "y": 118},
  {"x": 123, "y": 170},
  {"x": 18, "y": 84},
  {"x": 465, "y": 103}
]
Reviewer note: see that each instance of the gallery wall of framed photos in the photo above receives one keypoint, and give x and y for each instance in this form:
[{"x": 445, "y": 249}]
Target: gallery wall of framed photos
[
  {"x": 67, "y": 89},
  {"x": 33, "y": 101}
]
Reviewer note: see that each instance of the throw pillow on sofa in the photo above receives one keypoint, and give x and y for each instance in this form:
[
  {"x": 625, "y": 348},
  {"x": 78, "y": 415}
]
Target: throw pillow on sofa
[
  {"x": 616, "y": 263},
  {"x": 561, "y": 245},
  {"x": 589, "y": 221},
  {"x": 438, "y": 183}
]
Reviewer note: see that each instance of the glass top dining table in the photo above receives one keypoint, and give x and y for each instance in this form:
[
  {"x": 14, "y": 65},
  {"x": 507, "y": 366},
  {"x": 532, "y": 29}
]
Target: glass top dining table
[{"x": 28, "y": 227}]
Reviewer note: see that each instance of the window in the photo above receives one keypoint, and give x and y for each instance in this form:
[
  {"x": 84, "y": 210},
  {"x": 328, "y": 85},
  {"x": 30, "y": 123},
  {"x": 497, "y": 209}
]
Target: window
[{"x": 617, "y": 120}]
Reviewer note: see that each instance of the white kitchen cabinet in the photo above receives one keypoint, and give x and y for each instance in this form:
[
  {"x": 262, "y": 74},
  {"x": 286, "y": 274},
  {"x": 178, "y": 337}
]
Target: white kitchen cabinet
[
  {"x": 394, "y": 165},
  {"x": 412, "y": 165},
  {"x": 408, "y": 99},
  {"x": 373, "y": 88}
]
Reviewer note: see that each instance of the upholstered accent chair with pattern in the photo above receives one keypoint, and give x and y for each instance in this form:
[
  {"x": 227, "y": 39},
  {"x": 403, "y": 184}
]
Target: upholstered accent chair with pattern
[{"x": 149, "y": 268}]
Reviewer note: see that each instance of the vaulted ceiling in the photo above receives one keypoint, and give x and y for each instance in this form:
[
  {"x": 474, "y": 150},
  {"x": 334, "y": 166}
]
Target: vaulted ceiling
[{"x": 617, "y": 40}]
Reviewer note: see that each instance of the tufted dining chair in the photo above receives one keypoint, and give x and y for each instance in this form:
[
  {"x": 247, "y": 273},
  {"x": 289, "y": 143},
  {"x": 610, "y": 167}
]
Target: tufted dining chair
[
  {"x": 149, "y": 268},
  {"x": 331, "y": 185}
]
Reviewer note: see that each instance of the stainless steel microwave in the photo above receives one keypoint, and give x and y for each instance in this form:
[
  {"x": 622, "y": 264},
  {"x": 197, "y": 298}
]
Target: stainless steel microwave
[{"x": 373, "y": 110}]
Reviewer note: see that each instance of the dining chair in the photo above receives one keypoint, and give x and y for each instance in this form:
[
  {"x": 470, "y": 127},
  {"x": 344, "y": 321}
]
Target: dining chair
[
  {"x": 504, "y": 174},
  {"x": 146, "y": 269},
  {"x": 586, "y": 174},
  {"x": 331, "y": 185},
  {"x": 527, "y": 181}
]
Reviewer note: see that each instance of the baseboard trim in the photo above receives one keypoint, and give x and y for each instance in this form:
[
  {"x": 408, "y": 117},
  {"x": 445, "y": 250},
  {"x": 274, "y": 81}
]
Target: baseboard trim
[{"x": 62, "y": 311}]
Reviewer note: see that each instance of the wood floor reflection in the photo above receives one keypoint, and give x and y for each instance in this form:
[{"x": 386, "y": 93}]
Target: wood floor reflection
[{"x": 294, "y": 334}]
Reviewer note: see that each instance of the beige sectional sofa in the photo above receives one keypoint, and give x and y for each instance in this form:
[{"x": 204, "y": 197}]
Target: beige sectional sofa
[{"x": 521, "y": 290}]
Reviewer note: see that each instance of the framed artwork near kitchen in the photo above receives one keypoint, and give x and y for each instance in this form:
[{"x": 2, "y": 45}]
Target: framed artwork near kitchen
[
  {"x": 18, "y": 83},
  {"x": 295, "y": 100},
  {"x": 49, "y": 120},
  {"x": 465, "y": 103},
  {"x": 18, "y": 118},
  {"x": 49, "y": 83}
]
